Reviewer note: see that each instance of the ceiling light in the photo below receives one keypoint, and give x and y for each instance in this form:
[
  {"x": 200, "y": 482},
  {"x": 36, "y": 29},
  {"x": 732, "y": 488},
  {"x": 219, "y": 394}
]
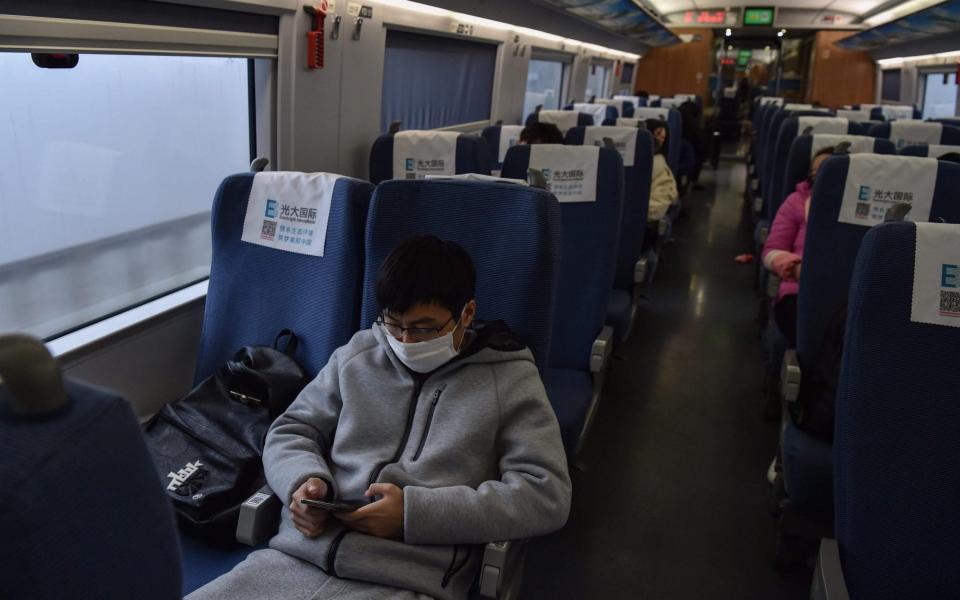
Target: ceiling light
[
  {"x": 781, "y": 33},
  {"x": 729, "y": 32},
  {"x": 909, "y": 7}
]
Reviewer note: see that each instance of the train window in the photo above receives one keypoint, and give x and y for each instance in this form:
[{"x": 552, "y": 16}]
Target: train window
[
  {"x": 596, "y": 82},
  {"x": 432, "y": 81},
  {"x": 544, "y": 85},
  {"x": 109, "y": 173},
  {"x": 626, "y": 74},
  {"x": 940, "y": 95},
  {"x": 890, "y": 85}
]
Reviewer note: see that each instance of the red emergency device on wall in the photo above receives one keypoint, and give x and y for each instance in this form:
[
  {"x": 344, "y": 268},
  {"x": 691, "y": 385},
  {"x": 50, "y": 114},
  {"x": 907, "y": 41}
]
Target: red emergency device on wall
[{"x": 315, "y": 35}]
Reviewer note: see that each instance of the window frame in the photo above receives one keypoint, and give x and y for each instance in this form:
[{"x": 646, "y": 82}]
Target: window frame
[
  {"x": 566, "y": 61},
  {"x": 923, "y": 73}
]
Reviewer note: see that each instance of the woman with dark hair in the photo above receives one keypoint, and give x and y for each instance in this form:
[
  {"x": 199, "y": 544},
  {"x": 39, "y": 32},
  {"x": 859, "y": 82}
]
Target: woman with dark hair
[{"x": 663, "y": 188}]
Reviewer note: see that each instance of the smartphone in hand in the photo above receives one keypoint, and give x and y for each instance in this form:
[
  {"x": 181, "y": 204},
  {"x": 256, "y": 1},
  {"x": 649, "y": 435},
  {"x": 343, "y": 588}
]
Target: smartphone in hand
[{"x": 334, "y": 506}]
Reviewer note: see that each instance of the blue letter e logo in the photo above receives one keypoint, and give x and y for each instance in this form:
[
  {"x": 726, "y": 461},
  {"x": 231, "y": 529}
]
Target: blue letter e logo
[
  {"x": 864, "y": 193},
  {"x": 409, "y": 165},
  {"x": 949, "y": 276},
  {"x": 271, "y": 212}
]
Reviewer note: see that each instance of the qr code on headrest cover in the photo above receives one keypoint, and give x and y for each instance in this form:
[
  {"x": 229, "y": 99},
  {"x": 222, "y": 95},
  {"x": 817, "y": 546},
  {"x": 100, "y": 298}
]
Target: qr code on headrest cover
[{"x": 950, "y": 303}]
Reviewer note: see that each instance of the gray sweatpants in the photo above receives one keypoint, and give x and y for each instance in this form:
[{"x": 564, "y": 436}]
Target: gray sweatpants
[{"x": 272, "y": 574}]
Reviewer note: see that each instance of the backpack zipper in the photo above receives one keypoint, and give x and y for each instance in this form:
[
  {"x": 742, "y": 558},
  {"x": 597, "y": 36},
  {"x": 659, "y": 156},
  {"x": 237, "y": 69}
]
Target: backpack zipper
[{"x": 426, "y": 428}]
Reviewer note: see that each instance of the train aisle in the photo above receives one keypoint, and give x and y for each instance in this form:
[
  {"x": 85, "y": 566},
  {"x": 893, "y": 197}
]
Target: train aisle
[{"x": 671, "y": 504}]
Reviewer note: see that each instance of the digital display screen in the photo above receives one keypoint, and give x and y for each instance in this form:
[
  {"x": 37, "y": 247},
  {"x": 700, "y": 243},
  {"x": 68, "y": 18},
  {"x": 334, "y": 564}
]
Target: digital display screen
[
  {"x": 762, "y": 17},
  {"x": 705, "y": 17},
  {"x": 743, "y": 57}
]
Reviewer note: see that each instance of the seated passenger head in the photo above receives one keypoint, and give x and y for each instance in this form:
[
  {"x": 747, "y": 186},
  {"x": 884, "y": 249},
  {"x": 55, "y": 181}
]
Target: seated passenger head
[
  {"x": 658, "y": 129},
  {"x": 541, "y": 133},
  {"x": 818, "y": 159},
  {"x": 642, "y": 94},
  {"x": 425, "y": 290}
]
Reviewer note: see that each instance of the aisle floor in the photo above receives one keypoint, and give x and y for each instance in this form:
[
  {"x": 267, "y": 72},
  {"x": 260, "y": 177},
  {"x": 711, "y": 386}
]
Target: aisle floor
[{"x": 671, "y": 503}]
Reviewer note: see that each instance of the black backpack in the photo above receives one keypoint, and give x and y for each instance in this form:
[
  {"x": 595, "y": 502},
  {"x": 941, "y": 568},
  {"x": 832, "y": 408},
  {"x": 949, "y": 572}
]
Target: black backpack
[
  {"x": 208, "y": 445},
  {"x": 814, "y": 410}
]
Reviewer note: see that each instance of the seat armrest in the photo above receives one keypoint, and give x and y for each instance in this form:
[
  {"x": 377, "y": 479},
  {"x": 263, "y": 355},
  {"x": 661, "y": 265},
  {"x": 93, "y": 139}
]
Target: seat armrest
[
  {"x": 757, "y": 201},
  {"x": 763, "y": 233},
  {"x": 790, "y": 376},
  {"x": 501, "y": 568},
  {"x": 663, "y": 225},
  {"x": 600, "y": 352},
  {"x": 639, "y": 276},
  {"x": 828, "y": 581},
  {"x": 773, "y": 286},
  {"x": 259, "y": 517}
]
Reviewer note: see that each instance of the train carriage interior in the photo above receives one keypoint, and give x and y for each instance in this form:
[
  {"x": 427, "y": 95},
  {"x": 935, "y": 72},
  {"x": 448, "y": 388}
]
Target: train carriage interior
[{"x": 519, "y": 299}]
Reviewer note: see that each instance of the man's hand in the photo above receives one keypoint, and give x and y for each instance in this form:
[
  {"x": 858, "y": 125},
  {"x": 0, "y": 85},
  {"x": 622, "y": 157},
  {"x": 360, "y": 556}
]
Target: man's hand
[
  {"x": 383, "y": 518},
  {"x": 309, "y": 520}
]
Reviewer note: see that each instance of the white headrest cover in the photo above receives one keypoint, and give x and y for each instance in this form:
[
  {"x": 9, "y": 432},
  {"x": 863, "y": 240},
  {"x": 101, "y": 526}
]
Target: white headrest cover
[
  {"x": 936, "y": 275},
  {"x": 908, "y": 132},
  {"x": 822, "y": 124},
  {"x": 417, "y": 154},
  {"x": 624, "y": 138},
  {"x": 570, "y": 171},
  {"x": 476, "y": 177},
  {"x": 629, "y": 122},
  {"x": 634, "y": 99},
  {"x": 771, "y": 100},
  {"x": 649, "y": 112},
  {"x": 857, "y": 116},
  {"x": 509, "y": 136},
  {"x": 563, "y": 119},
  {"x": 597, "y": 111},
  {"x": 895, "y": 113},
  {"x": 858, "y": 143},
  {"x": 289, "y": 211},
  {"x": 876, "y": 182},
  {"x": 793, "y": 106},
  {"x": 938, "y": 150}
]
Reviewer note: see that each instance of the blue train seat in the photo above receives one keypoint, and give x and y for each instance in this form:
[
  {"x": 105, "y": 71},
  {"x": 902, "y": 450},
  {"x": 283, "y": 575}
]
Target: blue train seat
[
  {"x": 624, "y": 105},
  {"x": 851, "y": 194},
  {"x": 907, "y": 132},
  {"x": 930, "y": 150},
  {"x": 417, "y": 154},
  {"x": 770, "y": 184},
  {"x": 258, "y": 288},
  {"x": 636, "y": 148},
  {"x": 84, "y": 513},
  {"x": 563, "y": 119},
  {"x": 588, "y": 181},
  {"x": 500, "y": 138},
  {"x": 599, "y": 110},
  {"x": 674, "y": 127},
  {"x": 896, "y": 445}
]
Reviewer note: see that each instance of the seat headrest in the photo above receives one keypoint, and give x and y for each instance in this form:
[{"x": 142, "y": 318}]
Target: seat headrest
[
  {"x": 565, "y": 120},
  {"x": 475, "y": 177},
  {"x": 909, "y": 132},
  {"x": 858, "y": 143},
  {"x": 794, "y": 106},
  {"x": 764, "y": 100},
  {"x": 289, "y": 211},
  {"x": 417, "y": 154},
  {"x": 857, "y": 116},
  {"x": 936, "y": 275},
  {"x": 823, "y": 124},
  {"x": 595, "y": 110},
  {"x": 570, "y": 171},
  {"x": 509, "y": 137},
  {"x": 938, "y": 150},
  {"x": 624, "y": 138},
  {"x": 894, "y": 113},
  {"x": 647, "y": 112},
  {"x": 876, "y": 182}
]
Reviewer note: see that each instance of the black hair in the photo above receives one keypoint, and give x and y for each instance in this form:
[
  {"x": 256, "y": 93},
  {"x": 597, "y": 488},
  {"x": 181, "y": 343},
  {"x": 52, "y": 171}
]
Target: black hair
[
  {"x": 652, "y": 126},
  {"x": 426, "y": 270},
  {"x": 541, "y": 133},
  {"x": 642, "y": 94},
  {"x": 950, "y": 157}
]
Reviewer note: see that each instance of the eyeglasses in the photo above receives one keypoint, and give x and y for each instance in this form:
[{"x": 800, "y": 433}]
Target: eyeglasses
[{"x": 417, "y": 334}]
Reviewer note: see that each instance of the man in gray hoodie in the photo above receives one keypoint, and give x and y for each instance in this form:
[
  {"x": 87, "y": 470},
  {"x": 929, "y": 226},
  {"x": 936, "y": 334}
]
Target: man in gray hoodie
[{"x": 441, "y": 434}]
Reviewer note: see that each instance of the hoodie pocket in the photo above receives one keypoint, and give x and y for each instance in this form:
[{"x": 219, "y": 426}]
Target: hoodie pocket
[
  {"x": 426, "y": 428},
  {"x": 456, "y": 565}
]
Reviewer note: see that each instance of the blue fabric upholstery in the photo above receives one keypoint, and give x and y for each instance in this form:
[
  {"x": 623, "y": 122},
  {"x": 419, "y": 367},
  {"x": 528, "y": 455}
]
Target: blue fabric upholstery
[
  {"x": 591, "y": 232},
  {"x": 583, "y": 119},
  {"x": 675, "y": 128},
  {"x": 807, "y": 471},
  {"x": 636, "y": 204},
  {"x": 876, "y": 113},
  {"x": 569, "y": 392},
  {"x": 612, "y": 114},
  {"x": 473, "y": 156},
  {"x": 512, "y": 233},
  {"x": 828, "y": 259},
  {"x": 798, "y": 167},
  {"x": 492, "y": 136},
  {"x": 619, "y": 308},
  {"x": 896, "y": 446},
  {"x": 782, "y": 131},
  {"x": 949, "y": 136},
  {"x": 203, "y": 562},
  {"x": 918, "y": 150},
  {"x": 82, "y": 508},
  {"x": 256, "y": 291}
]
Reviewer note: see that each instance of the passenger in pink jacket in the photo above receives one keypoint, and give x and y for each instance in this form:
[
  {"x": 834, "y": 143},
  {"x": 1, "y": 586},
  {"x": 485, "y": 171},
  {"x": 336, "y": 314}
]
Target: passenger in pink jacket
[{"x": 783, "y": 252}]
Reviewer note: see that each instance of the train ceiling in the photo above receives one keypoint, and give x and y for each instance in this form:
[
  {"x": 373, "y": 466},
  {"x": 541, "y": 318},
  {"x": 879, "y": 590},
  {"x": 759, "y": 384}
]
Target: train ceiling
[
  {"x": 940, "y": 19},
  {"x": 622, "y": 17}
]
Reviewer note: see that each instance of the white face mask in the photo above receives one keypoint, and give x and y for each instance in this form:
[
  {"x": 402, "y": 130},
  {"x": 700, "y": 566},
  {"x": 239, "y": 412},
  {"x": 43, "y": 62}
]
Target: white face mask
[{"x": 424, "y": 357}]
